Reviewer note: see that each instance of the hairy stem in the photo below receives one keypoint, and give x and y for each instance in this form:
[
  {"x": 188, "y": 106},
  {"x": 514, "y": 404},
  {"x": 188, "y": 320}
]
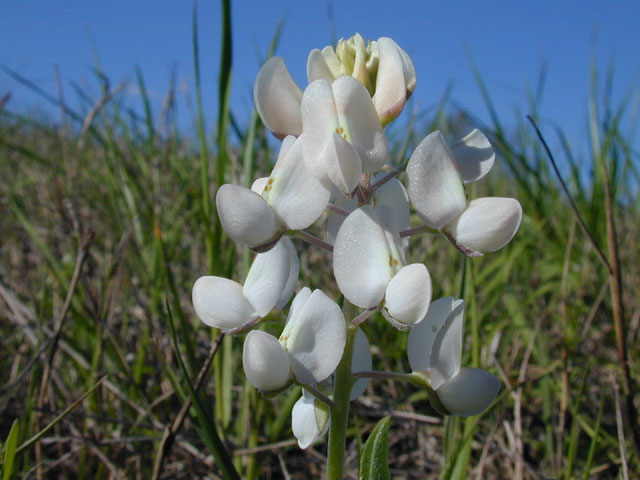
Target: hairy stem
[{"x": 340, "y": 409}]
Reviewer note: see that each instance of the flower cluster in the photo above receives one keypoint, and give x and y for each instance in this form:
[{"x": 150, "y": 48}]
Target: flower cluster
[{"x": 334, "y": 157}]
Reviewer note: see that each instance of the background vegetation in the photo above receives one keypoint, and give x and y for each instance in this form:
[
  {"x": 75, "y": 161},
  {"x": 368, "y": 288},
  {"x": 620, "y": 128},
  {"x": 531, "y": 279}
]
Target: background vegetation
[{"x": 107, "y": 220}]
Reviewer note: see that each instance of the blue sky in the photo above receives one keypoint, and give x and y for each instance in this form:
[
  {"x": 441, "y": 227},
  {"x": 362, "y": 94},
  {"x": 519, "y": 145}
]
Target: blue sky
[{"x": 508, "y": 41}]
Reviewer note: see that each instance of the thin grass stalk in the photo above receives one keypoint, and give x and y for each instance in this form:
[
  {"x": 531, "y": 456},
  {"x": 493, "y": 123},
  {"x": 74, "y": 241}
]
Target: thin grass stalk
[
  {"x": 615, "y": 281},
  {"x": 208, "y": 430},
  {"x": 205, "y": 194},
  {"x": 594, "y": 440}
]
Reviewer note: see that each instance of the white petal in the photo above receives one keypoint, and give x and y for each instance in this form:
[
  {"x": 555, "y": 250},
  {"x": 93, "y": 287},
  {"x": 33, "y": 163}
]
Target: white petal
[
  {"x": 277, "y": 98},
  {"x": 297, "y": 198},
  {"x": 359, "y": 64},
  {"x": 358, "y": 118},
  {"x": 360, "y": 362},
  {"x": 363, "y": 262},
  {"x": 333, "y": 62},
  {"x": 259, "y": 184},
  {"x": 487, "y": 224},
  {"x": 344, "y": 166},
  {"x": 265, "y": 362},
  {"x": 268, "y": 277},
  {"x": 434, "y": 183},
  {"x": 245, "y": 216},
  {"x": 391, "y": 204},
  {"x": 421, "y": 336},
  {"x": 319, "y": 121},
  {"x": 219, "y": 303},
  {"x": 334, "y": 222},
  {"x": 317, "y": 67},
  {"x": 446, "y": 352},
  {"x": 408, "y": 294},
  {"x": 393, "y": 195},
  {"x": 294, "y": 271},
  {"x": 309, "y": 420},
  {"x": 314, "y": 338},
  {"x": 470, "y": 392},
  {"x": 474, "y": 156},
  {"x": 296, "y": 307}
]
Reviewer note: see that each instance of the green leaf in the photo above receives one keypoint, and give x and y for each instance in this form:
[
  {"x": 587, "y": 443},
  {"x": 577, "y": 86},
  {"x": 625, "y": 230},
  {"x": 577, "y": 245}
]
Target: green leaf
[
  {"x": 374, "y": 464},
  {"x": 10, "y": 450}
]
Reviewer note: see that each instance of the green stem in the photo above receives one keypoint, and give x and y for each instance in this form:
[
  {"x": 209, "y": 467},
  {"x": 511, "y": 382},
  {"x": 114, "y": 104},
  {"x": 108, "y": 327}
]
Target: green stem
[{"x": 340, "y": 409}]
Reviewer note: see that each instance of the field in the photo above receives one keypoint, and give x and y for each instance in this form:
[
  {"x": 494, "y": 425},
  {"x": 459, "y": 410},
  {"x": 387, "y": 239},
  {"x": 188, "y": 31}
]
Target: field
[{"x": 107, "y": 219}]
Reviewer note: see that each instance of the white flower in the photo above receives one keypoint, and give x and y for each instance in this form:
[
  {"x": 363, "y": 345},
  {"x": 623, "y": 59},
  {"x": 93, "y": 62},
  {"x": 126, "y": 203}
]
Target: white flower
[
  {"x": 369, "y": 266},
  {"x": 310, "y": 418},
  {"x": 435, "y": 346},
  {"x": 225, "y": 304},
  {"x": 290, "y": 199},
  {"x": 342, "y": 136},
  {"x": 435, "y": 181},
  {"x": 314, "y": 336},
  {"x": 390, "y": 202},
  {"x": 382, "y": 66},
  {"x": 312, "y": 341},
  {"x": 277, "y": 98}
]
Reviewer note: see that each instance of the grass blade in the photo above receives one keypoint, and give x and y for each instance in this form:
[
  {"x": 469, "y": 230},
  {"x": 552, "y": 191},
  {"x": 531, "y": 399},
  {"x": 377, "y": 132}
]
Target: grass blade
[{"x": 9, "y": 453}]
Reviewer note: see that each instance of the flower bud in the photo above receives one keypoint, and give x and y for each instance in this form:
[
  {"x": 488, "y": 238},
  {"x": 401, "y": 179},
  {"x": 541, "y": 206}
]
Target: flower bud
[
  {"x": 382, "y": 66},
  {"x": 265, "y": 362}
]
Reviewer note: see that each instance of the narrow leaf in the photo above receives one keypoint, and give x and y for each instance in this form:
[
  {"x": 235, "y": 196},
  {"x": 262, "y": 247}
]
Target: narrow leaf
[
  {"x": 374, "y": 464},
  {"x": 10, "y": 450}
]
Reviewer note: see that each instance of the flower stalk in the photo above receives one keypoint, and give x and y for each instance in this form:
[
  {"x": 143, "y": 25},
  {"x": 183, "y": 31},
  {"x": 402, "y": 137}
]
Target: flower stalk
[{"x": 340, "y": 409}]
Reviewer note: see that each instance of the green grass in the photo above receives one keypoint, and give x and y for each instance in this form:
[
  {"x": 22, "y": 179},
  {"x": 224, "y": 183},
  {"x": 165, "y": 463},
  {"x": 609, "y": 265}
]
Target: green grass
[{"x": 539, "y": 311}]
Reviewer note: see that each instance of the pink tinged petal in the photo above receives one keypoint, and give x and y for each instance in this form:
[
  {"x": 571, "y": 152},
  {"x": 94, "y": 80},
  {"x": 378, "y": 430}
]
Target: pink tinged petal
[
  {"x": 297, "y": 198},
  {"x": 487, "y": 224},
  {"x": 359, "y": 122},
  {"x": 319, "y": 121},
  {"x": 314, "y": 338},
  {"x": 446, "y": 352},
  {"x": 265, "y": 362},
  {"x": 395, "y": 75},
  {"x": 343, "y": 164},
  {"x": 219, "y": 303},
  {"x": 310, "y": 420},
  {"x": 294, "y": 271},
  {"x": 277, "y": 98},
  {"x": 470, "y": 392},
  {"x": 434, "y": 184},
  {"x": 474, "y": 156},
  {"x": 334, "y": 222},
  {"x": 409, "y": 72},
  {"x": 360, "y": 362},
  {"x": 408, "y": 294},
  {"x": 363, "y": 262},
  {"x": 268, "y": 277},
  {"x": 317, "y": 67},
  {"x": 421, "y": 337},
  {"x": 245, "y": 216}
]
